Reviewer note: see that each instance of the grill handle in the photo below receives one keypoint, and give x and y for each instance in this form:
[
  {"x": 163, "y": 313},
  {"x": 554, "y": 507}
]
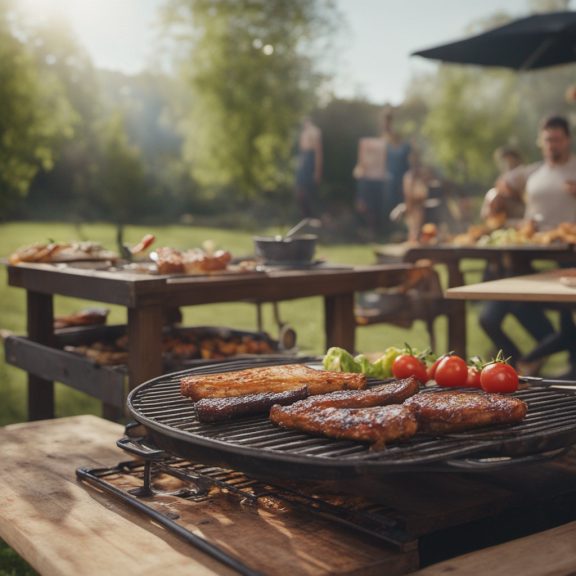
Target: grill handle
[
  {"x": 137, "y": 445},
  {"x": 480, "y": 464}
]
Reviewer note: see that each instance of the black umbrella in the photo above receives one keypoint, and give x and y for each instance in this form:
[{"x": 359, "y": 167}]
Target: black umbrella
[{"x": 534, "y": 42}]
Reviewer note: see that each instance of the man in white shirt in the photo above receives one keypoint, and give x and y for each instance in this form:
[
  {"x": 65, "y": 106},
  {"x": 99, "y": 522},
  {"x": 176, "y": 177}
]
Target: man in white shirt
[{"x": 550, "y": 197}]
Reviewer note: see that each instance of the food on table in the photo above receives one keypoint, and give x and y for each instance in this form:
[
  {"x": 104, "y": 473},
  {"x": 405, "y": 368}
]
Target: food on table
[
  {"x": 451, "y": 372},
  {"x": 429, "y": 234},
  {"x": 143, "y": 244},
  {"x": 181, "y": 346},
  {"x": 269, "y": 379},
  {"x": 104, "y": 353},
  {"x": 58, "y": 252},
  {"x": 89, "y": 316},
  {"x": 376, "y": 425},
  {"x": 197, "y": 261},
  {"x": 220, "y": 409},
  {"x": 383, "y": 395},
  {"x": 456, "y": 411}
]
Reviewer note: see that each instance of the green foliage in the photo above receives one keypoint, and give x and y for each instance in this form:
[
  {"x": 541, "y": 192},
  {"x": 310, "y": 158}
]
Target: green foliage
[
  {"x": 36, "y": 115},
  {"x": 121, "y": 178},
  {"x": 474, "y": 113},
  {"x": 252, "y": 74}
]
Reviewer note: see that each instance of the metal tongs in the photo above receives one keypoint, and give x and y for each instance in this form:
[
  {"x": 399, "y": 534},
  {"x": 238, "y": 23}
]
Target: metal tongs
[{"x": 568, "y": 386}]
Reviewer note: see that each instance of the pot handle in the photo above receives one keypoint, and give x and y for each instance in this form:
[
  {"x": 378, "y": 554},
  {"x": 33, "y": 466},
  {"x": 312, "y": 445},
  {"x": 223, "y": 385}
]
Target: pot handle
[{"x": 480, "y": 464}]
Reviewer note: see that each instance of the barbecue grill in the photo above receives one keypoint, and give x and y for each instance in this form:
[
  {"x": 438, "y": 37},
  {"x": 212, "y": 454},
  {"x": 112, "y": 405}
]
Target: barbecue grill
[{"x": 256, "y": 447}]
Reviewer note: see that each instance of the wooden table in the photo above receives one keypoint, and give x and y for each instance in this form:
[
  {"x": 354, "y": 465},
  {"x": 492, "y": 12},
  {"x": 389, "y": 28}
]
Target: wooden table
[
  {"x": 64, "y": 528},
  {"x": 146, "y": 296},
  {"x": 542, "y": 287},
  {"x": 504, "y": 258}
]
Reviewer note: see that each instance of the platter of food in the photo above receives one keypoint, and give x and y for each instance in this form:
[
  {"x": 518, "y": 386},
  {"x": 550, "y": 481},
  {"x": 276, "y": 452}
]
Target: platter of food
[
  {"x": 294, "y": 419},
  {"x": 62, "y": 252}
]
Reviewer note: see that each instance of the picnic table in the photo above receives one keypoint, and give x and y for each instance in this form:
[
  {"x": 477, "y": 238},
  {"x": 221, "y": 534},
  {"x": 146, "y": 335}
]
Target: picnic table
[
  {"x": 503, "y": 258},
  {"x": 146, "y": 296}
]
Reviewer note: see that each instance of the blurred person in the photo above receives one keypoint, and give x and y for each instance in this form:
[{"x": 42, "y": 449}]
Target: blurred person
[
  {"x": 550, "y": 199},
  {"x": 370, "y": 172},
  {"x": 309, "y": 169},
  {"x": 416, "y": 184},
  {"x": 505, "y": 201}
]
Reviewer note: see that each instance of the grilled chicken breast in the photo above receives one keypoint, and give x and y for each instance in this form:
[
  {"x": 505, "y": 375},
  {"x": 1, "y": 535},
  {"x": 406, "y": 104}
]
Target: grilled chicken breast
[
  {"x": 219, "y": 409},
  {"x": 376, "y": 425},
  {"x": 383, "y": 395},
  {"x": 445, "y": 412},
  {"x": 271, "y": 379}
]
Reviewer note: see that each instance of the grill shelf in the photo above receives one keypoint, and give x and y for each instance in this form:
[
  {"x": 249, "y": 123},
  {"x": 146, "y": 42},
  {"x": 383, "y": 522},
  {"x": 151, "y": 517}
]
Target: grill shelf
[{"x": 255, "y": 446}]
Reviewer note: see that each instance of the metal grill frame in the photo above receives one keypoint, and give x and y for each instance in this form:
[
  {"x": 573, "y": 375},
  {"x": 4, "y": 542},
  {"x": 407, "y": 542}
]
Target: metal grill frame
[{"x": 255, "y": 446}]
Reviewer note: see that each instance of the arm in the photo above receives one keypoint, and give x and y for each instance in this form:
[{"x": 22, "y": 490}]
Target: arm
[{"x": 358, "y": 171}]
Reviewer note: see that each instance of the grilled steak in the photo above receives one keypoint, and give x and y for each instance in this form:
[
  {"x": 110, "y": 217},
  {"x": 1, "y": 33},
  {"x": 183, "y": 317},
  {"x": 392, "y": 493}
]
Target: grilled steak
[
  {"x": 392, "y": 393},
  {"x": 445, "y": 412},
  {"x": 376, "y": 425},
  {"x": 219, "y": 409},
  {"x": 271, "y": 379}
]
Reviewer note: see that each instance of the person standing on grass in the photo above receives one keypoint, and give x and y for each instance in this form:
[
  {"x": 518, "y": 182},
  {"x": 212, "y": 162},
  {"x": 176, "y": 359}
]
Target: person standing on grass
[{"x": 309, "y": 170}]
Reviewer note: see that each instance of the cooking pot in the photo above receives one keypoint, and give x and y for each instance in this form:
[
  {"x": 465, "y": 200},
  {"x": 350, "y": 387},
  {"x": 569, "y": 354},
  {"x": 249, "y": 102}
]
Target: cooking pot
[{"x": 286, "y": 250}]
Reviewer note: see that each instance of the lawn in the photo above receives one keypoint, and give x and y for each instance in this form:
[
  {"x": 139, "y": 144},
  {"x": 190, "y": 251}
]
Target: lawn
[{"x": 305, "y": 315}]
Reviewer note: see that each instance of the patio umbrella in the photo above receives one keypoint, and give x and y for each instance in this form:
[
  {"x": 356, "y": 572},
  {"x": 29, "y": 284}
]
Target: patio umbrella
[{"x": 534, "y": 42}]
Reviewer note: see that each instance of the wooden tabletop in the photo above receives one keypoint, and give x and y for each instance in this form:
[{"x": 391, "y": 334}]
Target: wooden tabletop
[
  {"x": 64, "y": 528},
  {"x": 136, "y": 290},
  {"x": 542, "y": 287}
]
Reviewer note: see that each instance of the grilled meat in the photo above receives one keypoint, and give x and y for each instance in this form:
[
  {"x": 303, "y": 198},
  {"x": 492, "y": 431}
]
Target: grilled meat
[
  {"x": 376, "y": 425},
  {"x": 271, "y": 379},
  {"x": 219, "y": 409},
  {"x": 392, "y": 393},
  {"x": 445, "y": 412}
]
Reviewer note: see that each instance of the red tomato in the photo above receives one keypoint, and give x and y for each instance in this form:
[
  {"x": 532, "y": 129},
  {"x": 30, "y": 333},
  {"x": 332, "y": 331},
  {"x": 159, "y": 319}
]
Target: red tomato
[
  {"x": 432, "y": 369},
  {"x": 406, "y": 365},
  {"x": 451, "y": 372},
  {"x": 499, "y": 377},
  {"x": 473, "y": 380}
]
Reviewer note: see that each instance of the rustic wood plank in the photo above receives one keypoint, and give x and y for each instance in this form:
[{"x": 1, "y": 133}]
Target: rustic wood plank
[
  {"x": 542, "y": 287},
  {"x": 40, "y": 325},
  {"x": 75, "y": 371},
  {"x": 144, "y": 344},
  {"x": 339, "y": 321},
  {"x": 549, "y": 553},
  {"x": 64, "y": 528}
]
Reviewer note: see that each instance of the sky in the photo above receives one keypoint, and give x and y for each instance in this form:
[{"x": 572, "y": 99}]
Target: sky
[{"x": 374, "y": 45}]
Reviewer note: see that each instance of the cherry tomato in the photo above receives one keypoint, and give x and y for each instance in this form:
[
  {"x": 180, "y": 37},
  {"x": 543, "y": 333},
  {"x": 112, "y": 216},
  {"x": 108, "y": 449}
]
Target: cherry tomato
[
  {"x": 451, "y": 372},
  {"x": 473, "y": 380},
  {"x": 406, "y": 365},
  {"x": 432, "y": 369},
  {"x": 499, "y": 377}
]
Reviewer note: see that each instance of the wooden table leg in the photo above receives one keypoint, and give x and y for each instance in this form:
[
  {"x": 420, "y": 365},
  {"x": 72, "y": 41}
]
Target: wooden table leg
[
  {"x": 339, "y": 321},
  {"x": 40, "y": 318},
  {"x": 144, "y": 344},
  {"x": 457, "y": 318}
]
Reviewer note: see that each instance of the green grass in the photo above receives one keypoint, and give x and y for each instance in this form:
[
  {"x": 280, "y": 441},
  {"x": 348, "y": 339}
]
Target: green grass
[{"x": 305, "y": 315}]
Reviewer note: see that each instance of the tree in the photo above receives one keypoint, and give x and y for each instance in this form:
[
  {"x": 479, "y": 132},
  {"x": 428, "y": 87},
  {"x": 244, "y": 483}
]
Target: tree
[
  {"x": 121, "y": 180},
  {"x": 252, "y": 75},
  {"x": 35, "y": 118}
]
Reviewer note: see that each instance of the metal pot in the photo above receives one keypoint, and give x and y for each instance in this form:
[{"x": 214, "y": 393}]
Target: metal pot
[{"x": 286, "y": 250}]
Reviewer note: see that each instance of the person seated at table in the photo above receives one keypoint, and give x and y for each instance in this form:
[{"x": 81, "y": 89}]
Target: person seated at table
[{"x": 505, "y": 204}]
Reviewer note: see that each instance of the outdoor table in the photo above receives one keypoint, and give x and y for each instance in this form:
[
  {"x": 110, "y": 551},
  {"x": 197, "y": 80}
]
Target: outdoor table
[
  {"x": 145, "y": 297},
  {"x": 517, "y": 257},
  {"x": 63, "y": 527},
  {"x": 542, "y": 287}
]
